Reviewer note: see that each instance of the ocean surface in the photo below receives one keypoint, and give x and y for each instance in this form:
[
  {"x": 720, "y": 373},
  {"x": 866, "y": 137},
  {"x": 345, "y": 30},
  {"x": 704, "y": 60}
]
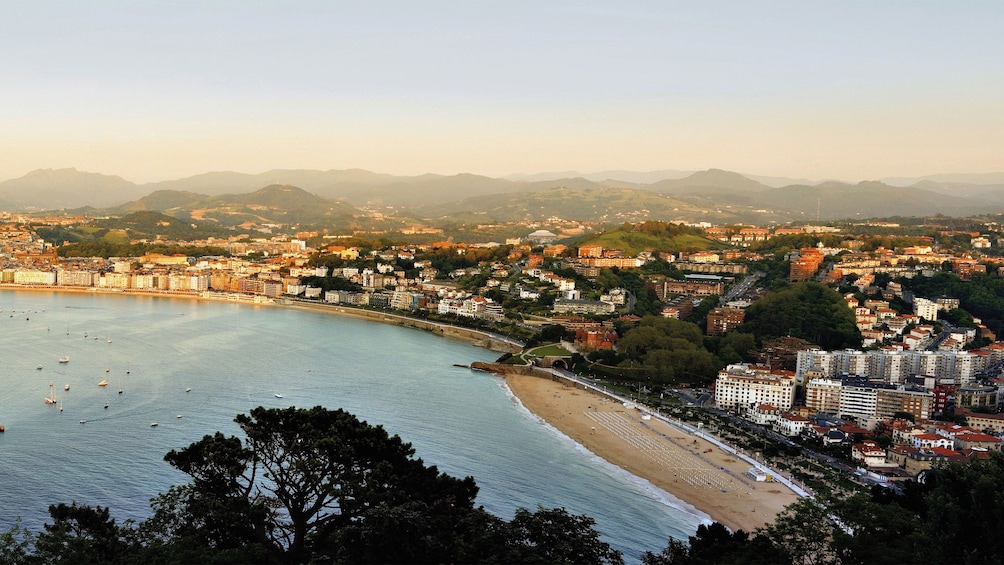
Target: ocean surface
[{"x": 234, "y": 357}]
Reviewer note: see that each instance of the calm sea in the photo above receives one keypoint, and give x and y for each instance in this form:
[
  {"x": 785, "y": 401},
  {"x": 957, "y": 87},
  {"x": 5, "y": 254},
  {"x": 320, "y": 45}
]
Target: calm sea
[{"x": 234, "y": 357}]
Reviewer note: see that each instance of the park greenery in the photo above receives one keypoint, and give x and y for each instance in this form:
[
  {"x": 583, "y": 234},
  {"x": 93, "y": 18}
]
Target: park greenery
[{"x": 667, "y": 351}]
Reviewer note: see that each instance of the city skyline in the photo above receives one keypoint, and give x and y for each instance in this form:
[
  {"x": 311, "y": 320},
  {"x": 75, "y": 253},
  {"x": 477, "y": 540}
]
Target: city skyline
[{"x": 853, "y": 91}]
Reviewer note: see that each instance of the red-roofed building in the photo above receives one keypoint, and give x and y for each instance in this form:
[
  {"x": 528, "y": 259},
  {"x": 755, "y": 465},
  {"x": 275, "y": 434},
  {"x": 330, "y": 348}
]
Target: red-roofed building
[
  {"x": 868, "y": 453},
  {"x": 763, "y": 414},
  {"x": 930, "y": 441},
  {"x": 978, "y": 441}
]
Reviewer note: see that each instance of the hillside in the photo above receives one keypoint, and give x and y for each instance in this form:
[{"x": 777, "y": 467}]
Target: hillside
[
  {"x": 714, "y": 180},
  {"x": 278, "y": 204},
  {"x": 599, "y": 205},
  {"x": 652, "y": 236},
  {"x": 65, "y": 188},
  {"x": 713, "y": 195}
]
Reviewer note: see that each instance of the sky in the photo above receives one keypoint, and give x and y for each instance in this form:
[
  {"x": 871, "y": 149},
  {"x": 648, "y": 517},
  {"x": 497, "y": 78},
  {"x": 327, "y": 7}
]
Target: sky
[{"x": 154, "y": 90}]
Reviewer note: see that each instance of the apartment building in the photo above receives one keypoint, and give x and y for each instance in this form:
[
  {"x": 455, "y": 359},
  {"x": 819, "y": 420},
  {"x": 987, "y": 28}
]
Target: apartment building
[{"x": 740, "y": 388}]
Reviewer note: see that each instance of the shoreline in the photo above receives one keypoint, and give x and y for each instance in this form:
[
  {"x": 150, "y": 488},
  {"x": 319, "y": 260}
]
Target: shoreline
[
  {"x": 479, "y": 338},
  {"x": 667, "y": 497},
  {"x": 686, "y": 467}
]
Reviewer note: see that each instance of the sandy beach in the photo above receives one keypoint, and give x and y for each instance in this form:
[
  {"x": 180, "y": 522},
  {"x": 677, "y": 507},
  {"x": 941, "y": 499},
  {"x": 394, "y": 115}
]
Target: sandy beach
[{"x": 713, "y": 482}]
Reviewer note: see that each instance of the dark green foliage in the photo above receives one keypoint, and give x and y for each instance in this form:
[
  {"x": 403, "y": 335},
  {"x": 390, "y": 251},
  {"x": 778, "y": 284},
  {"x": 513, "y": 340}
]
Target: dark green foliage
[
  {"x": 15, "y": 545},
  {"x": 79, "y": 535},
  {"x": 331, "y": 283},
  {"x": 807, "y": 310},
  {"x": 555, "y": 536},
  {"x": 951, "y": 518},
  {"x": 958, "y": 317},
  {"x": 310, "y": 485},
  {"x": 982, "y": 297},
  {"x": 670, "y": 351},
  {"x": 713, "y": 545}
]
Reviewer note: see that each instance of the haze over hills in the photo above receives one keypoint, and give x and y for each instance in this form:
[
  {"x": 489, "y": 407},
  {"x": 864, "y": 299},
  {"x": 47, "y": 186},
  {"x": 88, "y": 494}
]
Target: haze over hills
[{"x": 711, "y": 195}]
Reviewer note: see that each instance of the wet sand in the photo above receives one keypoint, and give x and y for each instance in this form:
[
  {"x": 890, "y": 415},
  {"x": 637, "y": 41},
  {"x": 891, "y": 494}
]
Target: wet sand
[{"x": 713, "y": 482}]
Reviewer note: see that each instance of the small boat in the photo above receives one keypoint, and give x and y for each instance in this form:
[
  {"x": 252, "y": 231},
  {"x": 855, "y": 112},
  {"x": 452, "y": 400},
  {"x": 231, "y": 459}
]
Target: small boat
[
  {"x": 39, "y": 367},
  {"x": 103, "y": 383},
  {"x": 51, "y": 399},
  {"x": 60, "y": 405},
  {"x": 153, "y": 424},
  {"x": 83, "y": 421},
  {"x": 106, "y": 406},
  {"x": 66, "y": 386},
  {"x": 178, "y": 416},
  {"x": 189, "y": 389},
  {"x": 65, "y": 359},
  {"x": 277, "y": 395}
]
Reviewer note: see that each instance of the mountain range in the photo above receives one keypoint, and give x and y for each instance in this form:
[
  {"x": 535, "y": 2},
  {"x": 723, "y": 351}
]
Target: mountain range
[{"x": 615, "y": 196}]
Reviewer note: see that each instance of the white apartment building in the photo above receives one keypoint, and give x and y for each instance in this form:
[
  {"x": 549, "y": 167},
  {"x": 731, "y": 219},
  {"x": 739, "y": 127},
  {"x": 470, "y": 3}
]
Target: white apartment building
[
  {"x": 927, "y": 309},
  {"x": 76, "y": 278},
  {"x": 34, "y": 277},
  {"x": 859, "y": 402},
  {"x": 739, "y": 388},
  {"x": 894, "y": 366},
  {"x": 116, "y": 280}
]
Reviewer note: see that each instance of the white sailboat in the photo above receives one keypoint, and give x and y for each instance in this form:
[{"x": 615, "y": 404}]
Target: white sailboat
[{"x": 51, "y": 399}]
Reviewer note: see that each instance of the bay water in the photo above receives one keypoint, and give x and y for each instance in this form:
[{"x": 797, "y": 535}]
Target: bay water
[{"x": 234, "y": 357}]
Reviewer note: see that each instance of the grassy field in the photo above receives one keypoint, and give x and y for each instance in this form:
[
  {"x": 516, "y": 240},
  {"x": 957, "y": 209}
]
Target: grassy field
[{"x": 552, "y": 349}]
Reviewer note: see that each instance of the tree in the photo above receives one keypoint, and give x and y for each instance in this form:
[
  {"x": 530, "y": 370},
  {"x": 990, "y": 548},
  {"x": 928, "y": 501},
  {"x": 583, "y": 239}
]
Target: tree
[
  {"x": 80, "y": 534},
  {"x": 302, "y": 477},
  {"x": 807, "y": 310},
  {"x": 555, "y": 536},
  {"x": 15, "y": 545},
  {"x": 310, "y": 485},
  {"x": 804, "y": 530},
  {"x": 714, "y": 544}
]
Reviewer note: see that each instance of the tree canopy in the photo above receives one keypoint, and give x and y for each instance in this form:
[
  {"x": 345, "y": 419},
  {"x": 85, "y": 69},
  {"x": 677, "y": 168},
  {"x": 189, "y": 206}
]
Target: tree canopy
[
  {"x": 806, "y": 310},
  {"x": 309, "y": 485},
  {"x": 945, "y": 519}
]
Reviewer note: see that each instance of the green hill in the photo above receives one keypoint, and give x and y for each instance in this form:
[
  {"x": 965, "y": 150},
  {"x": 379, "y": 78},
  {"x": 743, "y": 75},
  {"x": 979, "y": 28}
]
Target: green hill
[{"x": 652, "y": 236}]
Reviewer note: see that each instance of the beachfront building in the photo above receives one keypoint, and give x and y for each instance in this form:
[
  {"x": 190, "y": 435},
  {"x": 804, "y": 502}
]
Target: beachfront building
[
  {"x": 866, "y": 400},
  {"x": 741, "y": 388},
  {"x": 895, "y": 366}
]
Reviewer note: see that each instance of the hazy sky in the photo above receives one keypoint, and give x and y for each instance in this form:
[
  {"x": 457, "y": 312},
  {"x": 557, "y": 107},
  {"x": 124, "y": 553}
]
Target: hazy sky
[{"x": 152, "y": 90}]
